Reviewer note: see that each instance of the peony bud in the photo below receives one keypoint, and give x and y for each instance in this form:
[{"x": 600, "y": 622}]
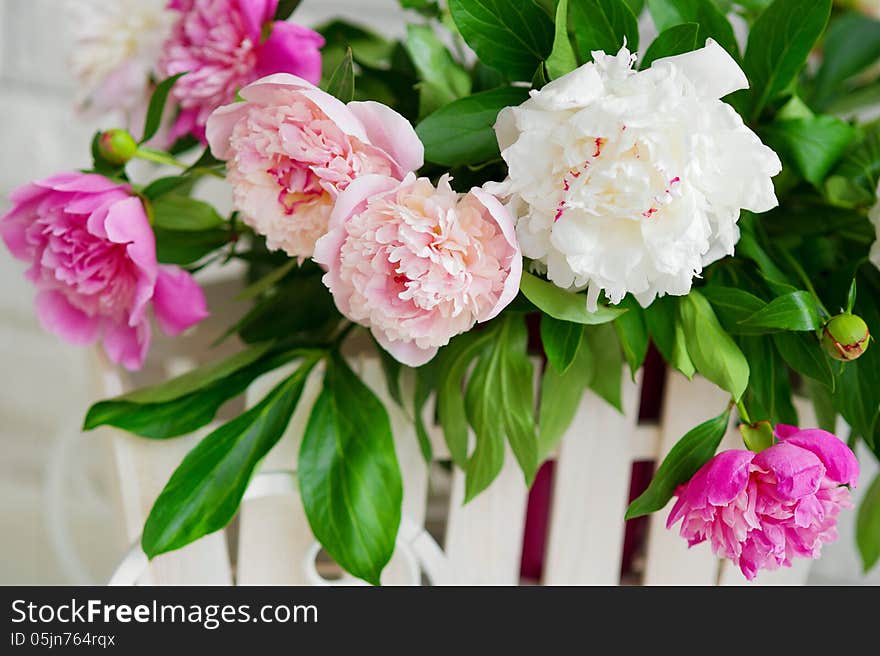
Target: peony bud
[
  {"x": 845, "y": 337},
  {"x": 117, "y": 146}
]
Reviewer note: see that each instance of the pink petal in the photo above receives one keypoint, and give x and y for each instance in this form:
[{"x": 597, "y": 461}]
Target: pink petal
[
  {"x": 58, "y": 316},
  {"x": 505, "y": 223},
  {"x": 727, "y": 474},
  {"x": 82, "y": 182},
  {"x": 783, "y": 431},
  {"x": 798, "y": 471},
  {"x": 840, "y": 462},
  {"x": 178, "y": 301},
  {"x": 291, "y": 48},
  {"x": 255, "y": 13},
  {"x": 221, "y": 122},
  {"x": 127, "y": 223},
  {"x": 128, "y": 345},
  {"x": 388, "y": 130},
  {"x": 407, "y": 353}
]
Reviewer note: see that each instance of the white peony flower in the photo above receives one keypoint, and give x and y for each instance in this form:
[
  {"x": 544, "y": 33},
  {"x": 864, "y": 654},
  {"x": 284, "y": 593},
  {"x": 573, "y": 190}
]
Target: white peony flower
[
  {"x": 874, "y": 215},
  {"x": 628, "y": 181},
  {"x": 116, "y": 47}
]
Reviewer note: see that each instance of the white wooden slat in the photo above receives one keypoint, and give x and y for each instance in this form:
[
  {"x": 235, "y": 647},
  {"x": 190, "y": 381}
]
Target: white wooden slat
[
  {"x": 484, "y": 537},
  {"x": 274, "y": 535},
  {"x": 144, "y": 467},
  {"x": 669, "y": 561},
  {"x": 591, "y": 484}
]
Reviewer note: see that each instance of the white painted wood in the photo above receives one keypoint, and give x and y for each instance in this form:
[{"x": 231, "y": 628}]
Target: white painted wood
[
  {"x": 484, "y": 537},
  {"x": 591, "y": 484},
  {"x": 669, "y": 561},
  {"x": 274, "y": 534},
  {"x": 144, "y": 467}
]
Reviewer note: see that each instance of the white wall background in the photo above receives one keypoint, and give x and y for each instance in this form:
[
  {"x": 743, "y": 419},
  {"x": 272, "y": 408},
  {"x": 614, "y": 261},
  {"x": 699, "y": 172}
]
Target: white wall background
[{"x": 58, "y": 520}]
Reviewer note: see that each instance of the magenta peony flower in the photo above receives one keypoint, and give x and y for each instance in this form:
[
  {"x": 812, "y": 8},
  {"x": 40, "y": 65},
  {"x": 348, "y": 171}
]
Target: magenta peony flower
[
  {"x": 93, "y": 260},
  {"x": 291, "y": 148},
  {"x": 418, "y": 264},
  {"x": 224, "y": 45},
  {"x": 761, "y": 510}
]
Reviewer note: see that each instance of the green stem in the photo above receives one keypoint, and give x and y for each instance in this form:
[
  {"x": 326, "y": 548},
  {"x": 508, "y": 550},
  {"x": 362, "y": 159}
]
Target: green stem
[
  {"x": 743, "y": 413},
  {"x": 799, "y": 270},
  {"x": 159, "y": 157}
]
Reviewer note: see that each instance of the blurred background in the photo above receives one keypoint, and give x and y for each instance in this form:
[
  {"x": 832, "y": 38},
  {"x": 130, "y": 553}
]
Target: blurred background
[{"x": 60, "y": 521}]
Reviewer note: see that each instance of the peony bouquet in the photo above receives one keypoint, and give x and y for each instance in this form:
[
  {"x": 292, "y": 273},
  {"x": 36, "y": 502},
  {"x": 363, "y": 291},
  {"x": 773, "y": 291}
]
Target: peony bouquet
[{"x": 516, "y": 181}]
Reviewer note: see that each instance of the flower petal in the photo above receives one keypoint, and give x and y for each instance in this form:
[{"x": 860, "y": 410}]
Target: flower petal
[
  {"x": 127, "y": 223},
  {"x": 178, "y": 301},
  {"x": 388, "y": 130},
  {"x": 798, "y": 471},
  {"x": 711, "y": 68},
  {"x": 58, "y": 316},
  {"x": 840, "y": 462},
  {"x": 505, "y": 223}
]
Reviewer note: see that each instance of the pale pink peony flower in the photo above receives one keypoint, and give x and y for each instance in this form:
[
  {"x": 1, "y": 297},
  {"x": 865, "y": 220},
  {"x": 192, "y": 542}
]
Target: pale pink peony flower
[
  {"x": 223, "y": 45},
  {"x": 93, "y": 260},
  {"x": 761, "y": 510},
  {"x": 291, "y": 148},
  {"x": 418, "y": 264}
]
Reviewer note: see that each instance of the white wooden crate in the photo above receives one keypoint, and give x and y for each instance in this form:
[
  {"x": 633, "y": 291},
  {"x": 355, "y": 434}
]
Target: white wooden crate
[{"x": 273, "y": 544}]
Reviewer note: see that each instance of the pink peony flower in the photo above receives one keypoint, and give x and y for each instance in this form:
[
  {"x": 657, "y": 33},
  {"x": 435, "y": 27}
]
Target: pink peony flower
[
  {"x": 93, "y": 261},
  {"x": 291, "y": 148},
  {"x": 761, "y": 510},
  {"x": 418, "y": 264},
  {"x": 224, "y": 45}
]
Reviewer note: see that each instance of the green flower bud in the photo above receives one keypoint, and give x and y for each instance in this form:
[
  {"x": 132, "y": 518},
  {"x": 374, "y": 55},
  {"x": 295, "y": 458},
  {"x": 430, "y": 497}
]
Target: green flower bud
[
  {"x": 757, "y": 436},
  {"x": 845, "y": 337},
  {"x": 117, "y": 146}
]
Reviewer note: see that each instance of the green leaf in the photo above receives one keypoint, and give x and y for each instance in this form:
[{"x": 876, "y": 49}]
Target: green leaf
[
  {"x": 426, "y": 382},
  {"x": 462, "y": 132},
  {"x": 206, "y": 489},
  {"x": 604, "y": 25},
  {"x": 769, "y": 393},
  {"x": 733, "y": 306},
  {"x": 561, "y": 340},
  {"x": 854, "y": 182},
  {"x": 868, "y": 526},
  {"x": 512, "y": 36},
  {"x": 157, "y": 107},
  {"x": 661, "y": 318},
  {"x": 184, "y": 247},
  {"x": 814, "y": 144},
  {"x": 165, "y": 185},
  {"x": 803, "y": 353},
  {"x": 715, "y": 355},
  {"x": 348, "y": 474},
  {"x": 779, "y": 43},
  {"x": 851, "y": 45},
  {"x": 299, "y": 307},
  {"x": 173, "y": 212},
  {"x": 285, "y": 9},
  {"x": 182, "y": 413},
  {"x": 561, "y": 394},
  {"x": 341, "y": 83},
  {"x": 499, "y": 401},
  {"x": 445, "y": 78},
  {"x": 851, "y": 296},
  {"x": 705, "y": 13},
  {"x": 193, "y": 381},
  {"x": 564, "y": 305},
  {"x": 675, "y": 40},
  {"x": 452, "y": 365},
  {"x": 607, "y": 364},
  {"x": 267, "y": 282},
  {"x": 690, "y": 453},
  {"x": 391, "y": 368},
  {"x": 633, "y": 333},
  {"x": 797, "y": 311},
  {"x": 562, "y": 58}
]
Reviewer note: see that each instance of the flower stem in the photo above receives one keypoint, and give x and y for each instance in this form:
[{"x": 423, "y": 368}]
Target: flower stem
[
  {"x": 159, "y": 157},
  {"x": 799, "y": 270},
  {"x": 743, "y": 413}
]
